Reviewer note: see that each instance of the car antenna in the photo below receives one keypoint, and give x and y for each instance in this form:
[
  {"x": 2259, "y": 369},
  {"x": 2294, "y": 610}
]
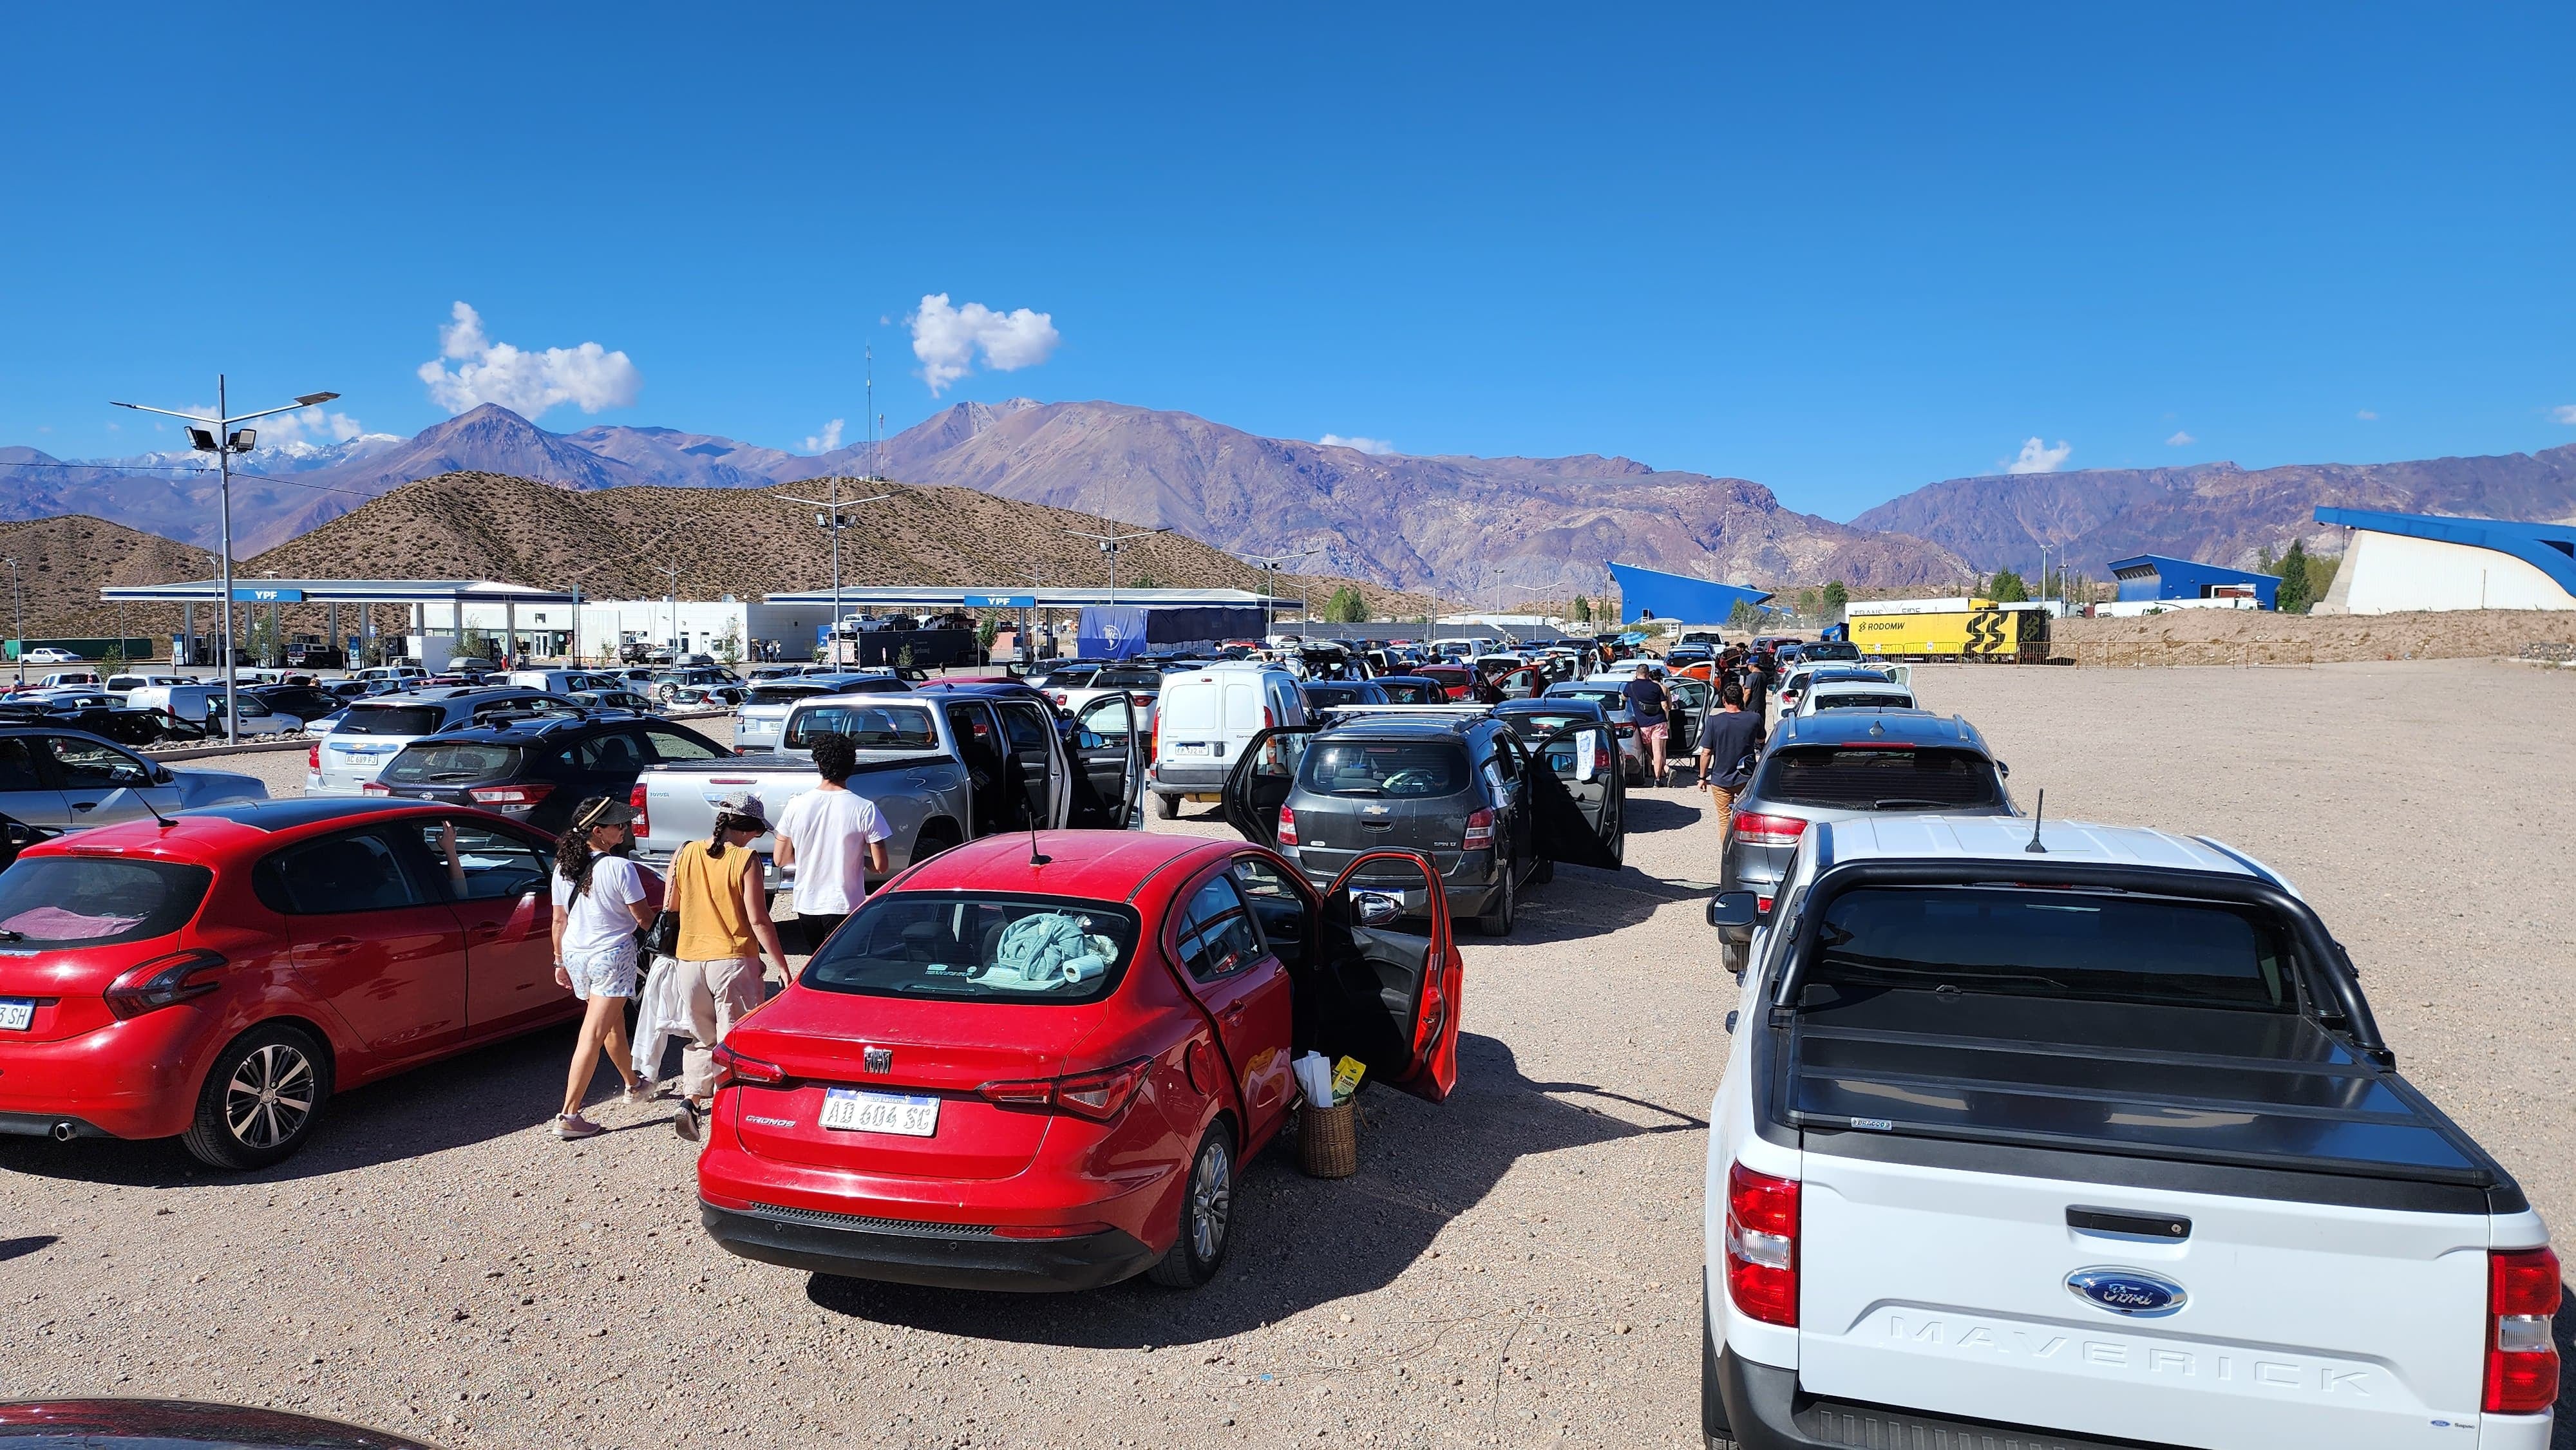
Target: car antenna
[
  {"x": 1036, "y": 857},
  {"x": 2037, "y": 813}
]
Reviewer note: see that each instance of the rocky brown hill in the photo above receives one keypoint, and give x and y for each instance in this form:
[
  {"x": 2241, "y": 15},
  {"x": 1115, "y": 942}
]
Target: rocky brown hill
[{"x": 63, "y": 562}]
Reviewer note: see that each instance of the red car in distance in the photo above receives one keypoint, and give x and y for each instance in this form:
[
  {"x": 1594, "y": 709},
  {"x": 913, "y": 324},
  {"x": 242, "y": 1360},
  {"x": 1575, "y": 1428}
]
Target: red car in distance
[
  {"x": 219, "y": 977},
  {"x": 1038, "y": 1064}
]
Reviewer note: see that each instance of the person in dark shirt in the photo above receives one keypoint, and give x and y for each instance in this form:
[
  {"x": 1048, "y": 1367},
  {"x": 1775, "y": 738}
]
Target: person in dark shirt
[
  {"x": 1730, "y": 742},
  {"x": 1651, "y": 708}
]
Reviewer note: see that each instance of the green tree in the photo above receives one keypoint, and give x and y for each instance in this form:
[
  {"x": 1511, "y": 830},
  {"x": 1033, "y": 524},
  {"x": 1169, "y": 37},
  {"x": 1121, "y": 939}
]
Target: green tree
[
  {"x": 2292, "y": 567},
  {"x": 2007, "y": 587},
  {"x": 1582, "y": 611},
  {"x": 1347, "y": 606},
  {"x": 1809, "y": 602},
  {"x": 112, "y": 662},
  {"x": 1143, "y": 581},
  {"x": 1837, "y": 598},
  {"x": 985, "y": 632},
  {"x": 1743, "y": 616},
  {"x": 474, "y": 644},
  {"x": 729, "y": 648}
]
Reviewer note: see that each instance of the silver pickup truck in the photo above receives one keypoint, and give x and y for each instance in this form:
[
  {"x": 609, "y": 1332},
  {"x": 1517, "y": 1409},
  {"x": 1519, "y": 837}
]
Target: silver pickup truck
[{"x": 943, "y": 768}]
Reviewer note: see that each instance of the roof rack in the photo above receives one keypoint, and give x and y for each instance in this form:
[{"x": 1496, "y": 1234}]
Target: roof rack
[{"x": 1428, "y": 714}]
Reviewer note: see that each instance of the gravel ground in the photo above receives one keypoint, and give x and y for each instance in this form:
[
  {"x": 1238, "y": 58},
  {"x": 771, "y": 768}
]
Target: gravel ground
[{"x": 1519, "y": 1265}]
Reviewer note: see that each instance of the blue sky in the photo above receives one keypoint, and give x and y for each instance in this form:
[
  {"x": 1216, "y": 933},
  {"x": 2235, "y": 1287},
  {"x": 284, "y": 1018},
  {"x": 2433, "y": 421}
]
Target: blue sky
[{"x": 1840, "y": 250}]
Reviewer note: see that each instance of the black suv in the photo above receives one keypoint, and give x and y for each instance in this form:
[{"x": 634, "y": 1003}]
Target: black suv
[
  {"x": 536, "y": 769},
  {"x": 1461, "y": 788}
]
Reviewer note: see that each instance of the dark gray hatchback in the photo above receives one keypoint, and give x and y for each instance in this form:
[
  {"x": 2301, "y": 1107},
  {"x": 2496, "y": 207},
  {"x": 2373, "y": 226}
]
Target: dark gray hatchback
[{"x": 1456, "y": 785}]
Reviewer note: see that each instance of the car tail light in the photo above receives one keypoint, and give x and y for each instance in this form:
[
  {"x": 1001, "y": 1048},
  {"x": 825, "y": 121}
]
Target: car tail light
[
  {"x": 1048, "y": 1230},
  {"x": 313, "y": 756},
  {"x": 635, "y": 802},
  {"x": 1625, "y": 731},
  {"x": 1762, "y": 1245},
  {"x": 375, "y": 787},
  {"x": 1755, "y": 829},
  {"x": 1100, "y": 1095},
  {"x": 735, "y": 1067},
  {"x": 1480, "y": 832},
  {"x": 1268, "y": 721},
  {"x": 1287, "y": 832},
  {"x": 525, "y": 794},
  {"x": 2522, "y": 1362},
  {"x": 161, "y": 982},
  {"x": 1600, "y": 755},
  {"x": 1154, "y": 738}
]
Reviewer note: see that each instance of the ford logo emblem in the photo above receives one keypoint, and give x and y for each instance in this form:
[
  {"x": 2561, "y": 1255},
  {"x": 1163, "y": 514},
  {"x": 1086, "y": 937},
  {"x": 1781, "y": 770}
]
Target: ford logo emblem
[{"x": 2133, "y": 1292}]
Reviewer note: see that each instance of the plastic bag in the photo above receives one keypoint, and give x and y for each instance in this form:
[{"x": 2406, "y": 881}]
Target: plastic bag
[{"x": 1314, "y": 1079}]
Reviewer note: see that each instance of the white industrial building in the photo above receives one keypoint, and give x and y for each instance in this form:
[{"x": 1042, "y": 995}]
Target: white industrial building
[
  {"x": 695, "y": 626},
  {"x": 2397, "y": 563}
]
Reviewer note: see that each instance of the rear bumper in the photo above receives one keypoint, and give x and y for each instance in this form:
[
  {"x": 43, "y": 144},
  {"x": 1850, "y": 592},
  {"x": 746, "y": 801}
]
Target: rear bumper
[
  {"x": 1765, "y": 1410},
  {"x": 938, "y": 1256},
  {"x": 131, "y": 1079},
  {"x": 1175, "y": 777}
]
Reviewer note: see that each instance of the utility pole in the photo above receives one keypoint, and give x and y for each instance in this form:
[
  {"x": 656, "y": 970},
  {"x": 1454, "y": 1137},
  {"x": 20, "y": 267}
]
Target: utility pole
[
  {"x": 19, "y": 595},
  {"x": 1109, "y": 544},
  {"x": 671, "y": 598},
  {"x": 831, "y": 519},
  {"x": 1270, "y": 564},
  {"x": 219, "y": 439}
]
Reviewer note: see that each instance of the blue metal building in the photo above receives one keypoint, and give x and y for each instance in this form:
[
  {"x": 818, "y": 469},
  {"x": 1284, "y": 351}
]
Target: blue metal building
[
  {"x": 1653, "y": 594},
  {"x": 2153, "y": 576}
]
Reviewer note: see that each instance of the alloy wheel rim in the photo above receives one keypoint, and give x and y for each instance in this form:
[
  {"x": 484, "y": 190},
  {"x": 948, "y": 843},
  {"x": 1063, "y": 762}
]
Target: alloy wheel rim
[
  {"x": 270, "y": 1096},
  {"x": 1211, "y": 1199}
]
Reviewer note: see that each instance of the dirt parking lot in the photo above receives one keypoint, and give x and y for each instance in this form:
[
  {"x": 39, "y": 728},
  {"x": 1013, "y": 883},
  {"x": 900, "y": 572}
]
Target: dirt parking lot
[{"x": 1518, "y": 1266}]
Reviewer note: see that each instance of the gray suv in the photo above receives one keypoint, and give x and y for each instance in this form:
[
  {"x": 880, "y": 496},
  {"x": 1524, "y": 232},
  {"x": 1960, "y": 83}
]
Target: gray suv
[
  {"x": 1847, "y": 763},
  {"x": 1458, "y": 786}
]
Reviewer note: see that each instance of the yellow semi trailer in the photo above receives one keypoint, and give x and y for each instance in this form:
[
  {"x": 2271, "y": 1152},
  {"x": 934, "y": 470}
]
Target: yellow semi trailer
[{"x": 1951, "y": 629}]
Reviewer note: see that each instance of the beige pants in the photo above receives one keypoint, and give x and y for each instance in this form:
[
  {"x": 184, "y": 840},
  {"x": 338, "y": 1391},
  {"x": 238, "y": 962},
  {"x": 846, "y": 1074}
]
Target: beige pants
[
  {"x": 1723, "y": 800},
  {"x": 719, "y": 993}
]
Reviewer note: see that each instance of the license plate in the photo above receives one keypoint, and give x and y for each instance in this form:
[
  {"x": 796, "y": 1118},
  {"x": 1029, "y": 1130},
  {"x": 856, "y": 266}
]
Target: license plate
[
  {"x": 854, "y": 1111},
  {"x": 17, "y": 1015},
  {"x": 1196, "y": 749}
]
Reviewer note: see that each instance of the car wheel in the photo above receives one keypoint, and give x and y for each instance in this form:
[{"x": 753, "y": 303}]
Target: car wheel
[
  {"x": 936, "y": 837},
  {"x": 260, "y": 1099},
  {"x": 1168, "y": 807},
  {"x": 1498, "y": 922},
  {"x": 1207, "y": 1214}
]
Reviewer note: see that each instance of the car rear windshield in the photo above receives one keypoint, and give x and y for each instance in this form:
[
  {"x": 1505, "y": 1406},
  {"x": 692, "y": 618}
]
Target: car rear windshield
[
  {"x": 1531, "y": 724},
  {"x": 1384, "y": 768},
  {"x": 1831, "y": 652},
  {"x": 1409, "y": 692},
  {"x": 1127, "y": 680},
  {"x": 1857, "y": 777},
  {"x": 1858, "y": 701},
  {"x": 1072, "y": 679},
  {"x": 1608, "y": 697},
  {"x": 84, "y": 901},
  {"x": 978, "y": 947},
  {"x": 390, "y": 720},
  {"x": 779, "y": 694},
  {"x": 2045, "y": 943},
  {"x": 445, "y": 763},
  {"x": 870, "y": 727}
]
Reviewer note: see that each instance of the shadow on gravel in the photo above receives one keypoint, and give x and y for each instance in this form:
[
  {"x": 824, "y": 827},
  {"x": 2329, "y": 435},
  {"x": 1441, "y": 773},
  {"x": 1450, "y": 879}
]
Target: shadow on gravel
[
  {"x": 21, "y": 1248},
  {"x": 484, "y": 1094},
  {"x": 1648, "y": 813},
  {"x": 1301, "y": 1242}
]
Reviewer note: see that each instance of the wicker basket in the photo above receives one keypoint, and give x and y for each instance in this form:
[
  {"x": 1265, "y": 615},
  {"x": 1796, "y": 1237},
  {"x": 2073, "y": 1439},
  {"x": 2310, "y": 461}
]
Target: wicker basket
[{"x": 1328, "y": 1140}]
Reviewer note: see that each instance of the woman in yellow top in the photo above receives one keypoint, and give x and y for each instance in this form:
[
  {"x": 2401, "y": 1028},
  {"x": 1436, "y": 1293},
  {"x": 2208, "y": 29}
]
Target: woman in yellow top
[{"x": 718, "y": 889}]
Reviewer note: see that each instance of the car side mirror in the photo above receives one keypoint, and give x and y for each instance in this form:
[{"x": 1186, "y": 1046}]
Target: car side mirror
[
  {"x": 162, "y": 775},
  {"x": 1376, "y": 908},
  {"x": 1734, "y": 909},
  {"x": 19, "y": 833},
  {"x": 2003, "y": 769}
]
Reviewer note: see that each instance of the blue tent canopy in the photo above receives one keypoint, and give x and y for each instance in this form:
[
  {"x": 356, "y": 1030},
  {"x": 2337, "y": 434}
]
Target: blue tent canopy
[{"x": 1653, "y": 594}]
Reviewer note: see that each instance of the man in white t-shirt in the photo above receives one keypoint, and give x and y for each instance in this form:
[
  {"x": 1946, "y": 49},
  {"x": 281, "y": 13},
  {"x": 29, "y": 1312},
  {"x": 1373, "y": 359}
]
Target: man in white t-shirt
[{"x": 833, "y": 837}]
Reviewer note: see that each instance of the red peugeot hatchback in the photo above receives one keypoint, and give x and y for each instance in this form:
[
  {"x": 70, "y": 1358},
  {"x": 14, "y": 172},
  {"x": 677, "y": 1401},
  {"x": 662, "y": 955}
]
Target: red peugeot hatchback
[
  {"x": 220, "y": 976},
  {"x": 1040, "y": 1071}
]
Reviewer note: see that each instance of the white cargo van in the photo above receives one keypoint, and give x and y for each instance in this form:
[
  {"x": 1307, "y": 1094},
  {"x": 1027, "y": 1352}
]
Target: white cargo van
[
  {"x": 1202, "y": 721},
  {"x": 204, "y": 704}
]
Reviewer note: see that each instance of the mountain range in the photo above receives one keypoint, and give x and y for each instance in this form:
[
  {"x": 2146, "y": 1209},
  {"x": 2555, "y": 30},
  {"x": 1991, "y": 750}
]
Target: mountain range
[{"x": 1487, "y": 529}]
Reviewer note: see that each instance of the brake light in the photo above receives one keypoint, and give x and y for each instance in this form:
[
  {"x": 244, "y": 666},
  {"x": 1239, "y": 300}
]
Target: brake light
[
  {"x": 2522, "y": 1362},
  {"x": 1287, "y": 832},
  {"x": 1154, "y": 737},
  {"x": 1268, "y": 722},
  {"x": 375, "y": 787},
  {"x": 511, "y": 795},
  {"x": 1100, "y": 1095},
  {"x": 635, "y": 802},
  {"x": 1600, "y": 755},
  {"x": 734, "y": 1067},
  {"x": 1762, "y": 1245},
  {"x": 313, "y": 756},
  {"x": 1756, "y": 829},
  {"x": 162, "y": 982},
  {"x": 1480, "y": 832},
  {"x": 1049, "y": 1230},
  {"x": 1058, "y": 696}
]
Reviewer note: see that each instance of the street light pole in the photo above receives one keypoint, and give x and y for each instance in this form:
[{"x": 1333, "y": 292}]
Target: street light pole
[
  {"x": 831, "y": 519},
  {"x": 1109, "y": 546},
  {"x": 19, "y": 596},
  {"x": 219, "y": 439},
  {"x": 1271, "y": 563}
]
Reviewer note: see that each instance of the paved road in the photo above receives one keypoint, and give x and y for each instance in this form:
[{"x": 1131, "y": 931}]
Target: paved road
[{"x": 1518, "y": 1266}]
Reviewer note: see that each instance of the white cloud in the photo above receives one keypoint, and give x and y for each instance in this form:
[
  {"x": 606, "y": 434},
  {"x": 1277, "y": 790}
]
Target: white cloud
[
  {"x": 828, "y": 440},
  {"x": 527, "y": 383},
  {"x": 2367, "y": 416},
  {"x": 2037, "y": 457},
  {"x": 1365, "y": 445},
  {"x": 946, "y": 339},
  {"x": 2179, "y": 439},
  {"x": 312, "y": 425},
  {"x": 2565, "y": 414}
]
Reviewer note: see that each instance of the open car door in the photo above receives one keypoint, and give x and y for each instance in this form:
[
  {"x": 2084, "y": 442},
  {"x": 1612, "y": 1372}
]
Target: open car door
[
  {"x": 1108, "y": 777},
  {"x": 1561, "y": 827},
  {"x": 1258, "y": 784},
  {"x": 1383, "y": 986}
]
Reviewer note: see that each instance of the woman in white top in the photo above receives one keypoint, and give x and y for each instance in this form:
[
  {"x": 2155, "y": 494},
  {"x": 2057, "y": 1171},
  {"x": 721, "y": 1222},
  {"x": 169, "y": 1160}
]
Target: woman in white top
[{"x": 600, "y": 898}]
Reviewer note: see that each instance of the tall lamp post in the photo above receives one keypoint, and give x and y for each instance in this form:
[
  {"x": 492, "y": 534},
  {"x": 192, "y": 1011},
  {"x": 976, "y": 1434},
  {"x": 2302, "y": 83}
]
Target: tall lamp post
[
  {"x": 18, "y": 596},
  {"x": 1109, "y": 544},
  {"x": 221, "y": 439},
  {"x": 1269, "y": 564},
  {"x": 830, "y": 519}
]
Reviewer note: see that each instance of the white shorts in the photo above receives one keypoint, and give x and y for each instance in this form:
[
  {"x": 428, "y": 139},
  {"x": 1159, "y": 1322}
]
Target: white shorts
[{"x": 607, "y": 974}]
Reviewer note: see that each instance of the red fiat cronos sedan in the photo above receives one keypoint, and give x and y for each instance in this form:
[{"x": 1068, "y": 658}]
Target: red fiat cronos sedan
[
  {"x": 220, "y": 976},
  {"x": 1036, "y": 1065}
]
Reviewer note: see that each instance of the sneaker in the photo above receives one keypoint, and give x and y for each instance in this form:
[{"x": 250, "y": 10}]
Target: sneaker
[
  {"x": 573, "y": 1125},
  {"x": 640, "y": 1092},
  {"x": 685, "y": 1122}
]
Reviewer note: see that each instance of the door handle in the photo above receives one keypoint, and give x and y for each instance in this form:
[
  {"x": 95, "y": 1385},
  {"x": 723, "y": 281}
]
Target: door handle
[
  {"x": 84, "y": 805},
  {"x": 1233, "y": 1015},
  {"x": 338, "y": 946},
  {"x": 486, "y": 929}
]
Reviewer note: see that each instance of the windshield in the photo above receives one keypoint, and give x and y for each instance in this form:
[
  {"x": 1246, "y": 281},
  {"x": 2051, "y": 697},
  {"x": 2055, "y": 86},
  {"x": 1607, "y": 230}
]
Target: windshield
[
  {"x": 1384, "y": 768},
  {"x": 83, "y": 901},
  {"x": 870, "y": 727},
  {"x": 1832, "y": 651},
  {"x": 1877, "y": 778},
  {"x": 1879, "y": 700},
  {"x": 450, "y": 763},
  {"x": 391, "y": 720},
  {"x": 1127, "y": 680},
  {"x": 2021, "y": 942},
  {"x": 958, "y": 946},
  {"x": 1609, "y": 697},
  {"x": 1414, "y": 692},
  {"x": 1069, "y": 679},
  {"x": 779, "y": 694},
  {"x": 1531, "y": 724}
]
